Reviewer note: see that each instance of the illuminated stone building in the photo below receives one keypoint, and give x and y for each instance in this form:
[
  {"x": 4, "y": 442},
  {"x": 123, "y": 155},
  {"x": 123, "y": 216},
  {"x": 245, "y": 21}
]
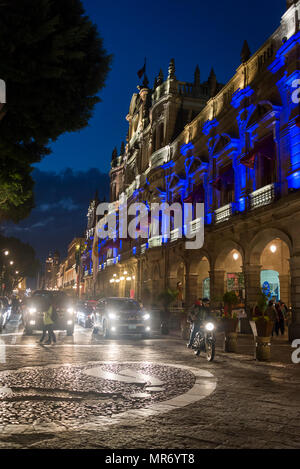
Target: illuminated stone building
[
  {"x": 68, "y": 273},
  {"x": 237, "y": 149}
]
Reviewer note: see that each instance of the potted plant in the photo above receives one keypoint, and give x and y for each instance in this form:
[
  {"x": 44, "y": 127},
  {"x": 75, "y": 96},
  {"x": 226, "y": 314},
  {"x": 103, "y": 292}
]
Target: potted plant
[
  {"x": 166, "y": 298},
  {"x": 262, "y": 326},
  {"x": 230, "y": 321}
]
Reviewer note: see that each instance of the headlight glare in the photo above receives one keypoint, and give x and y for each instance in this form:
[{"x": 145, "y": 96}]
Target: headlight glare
[
  {"x": 209, "y": 326},
  {"x": 146, "y": 316},
  {"x": 32, "y": 310},
  {"x": 112, "y": 316}
]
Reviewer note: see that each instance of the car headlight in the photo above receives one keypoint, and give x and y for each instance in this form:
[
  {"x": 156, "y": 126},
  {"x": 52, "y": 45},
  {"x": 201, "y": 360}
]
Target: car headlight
[
  {"x": 112, "y": 316},
  {"x": 209, "y": 326},
  {"x": 32, "y": 311},
  {"x": 146, "y": 317}
]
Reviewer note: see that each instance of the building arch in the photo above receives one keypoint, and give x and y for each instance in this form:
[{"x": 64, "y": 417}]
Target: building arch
[
  {"x": 261, "y": 239},
  {"x": 269, "y": 255},
  {"x": 227, "y": 273}
]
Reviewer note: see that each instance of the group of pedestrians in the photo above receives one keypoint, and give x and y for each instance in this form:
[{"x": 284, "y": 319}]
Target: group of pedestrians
[{"x": 277, "y": 311}]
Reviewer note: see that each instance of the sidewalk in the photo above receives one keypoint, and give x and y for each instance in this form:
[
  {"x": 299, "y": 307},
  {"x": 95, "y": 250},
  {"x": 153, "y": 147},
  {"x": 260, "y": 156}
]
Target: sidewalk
[{"x": 281, "y": 350}]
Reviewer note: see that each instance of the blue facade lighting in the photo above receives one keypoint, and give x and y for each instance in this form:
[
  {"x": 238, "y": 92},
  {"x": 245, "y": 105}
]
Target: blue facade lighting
[
  {"x": 209, "y": 125},
  {"x": 240, "y": 95},
  {"x": 242, "y": 204},
  {"x": 285, "y": 49},
  {"x": 185, "y": 148}
]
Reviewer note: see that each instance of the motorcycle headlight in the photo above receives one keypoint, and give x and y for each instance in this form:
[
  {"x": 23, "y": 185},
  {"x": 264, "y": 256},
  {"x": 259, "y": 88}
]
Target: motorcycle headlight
[
  {"x": 112, "y": 316},
  {"x": 146, "y": 316},
  {"x": 209, "y": 326}
]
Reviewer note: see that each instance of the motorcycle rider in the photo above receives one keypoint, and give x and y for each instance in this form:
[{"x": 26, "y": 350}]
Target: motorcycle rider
[{"x": 198, "y": 314}]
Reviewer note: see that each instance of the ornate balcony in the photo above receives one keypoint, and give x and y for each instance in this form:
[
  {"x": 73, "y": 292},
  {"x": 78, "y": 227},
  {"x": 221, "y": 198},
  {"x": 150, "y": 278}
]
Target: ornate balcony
[
  {"x": 143, "y": 248},
  {"x": 159, "y": 157},
  {"x": 156, "y": 241},
  {"x": 262, "y": 197},
  {"x": 174, "y": 235},
  {"x": 223, "y": 213},
  {"x": 195, "y": 226}
]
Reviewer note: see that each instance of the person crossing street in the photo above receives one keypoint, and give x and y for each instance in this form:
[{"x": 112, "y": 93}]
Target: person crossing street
[{"x": 49, "y": 326}]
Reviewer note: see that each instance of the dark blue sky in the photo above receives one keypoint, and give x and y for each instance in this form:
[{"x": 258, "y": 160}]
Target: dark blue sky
[{"x": 210, "y": 33}]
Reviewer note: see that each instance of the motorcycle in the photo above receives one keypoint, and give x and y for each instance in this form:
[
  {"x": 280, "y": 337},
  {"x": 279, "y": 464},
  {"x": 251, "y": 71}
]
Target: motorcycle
[{"x": 205, "y": 341}]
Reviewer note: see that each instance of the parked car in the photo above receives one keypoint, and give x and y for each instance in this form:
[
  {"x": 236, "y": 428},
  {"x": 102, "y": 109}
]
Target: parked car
[
  {"x": 38, "y": 302},
  {"x": 85, "y": 314},
  {"x": 121, "y": 316},
  {"x": 5, "y": 312}
]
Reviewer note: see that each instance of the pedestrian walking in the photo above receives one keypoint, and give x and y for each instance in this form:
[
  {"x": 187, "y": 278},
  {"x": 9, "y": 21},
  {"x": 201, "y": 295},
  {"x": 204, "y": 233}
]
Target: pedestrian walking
[
  {"x": 49, "y": 326},
  {"x": 271, "y": 313},
  {"x": 280, "y": 326}
]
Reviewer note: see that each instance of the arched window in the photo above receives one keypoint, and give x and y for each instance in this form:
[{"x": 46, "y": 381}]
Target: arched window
[
  {"x": 161, "y": 135},
  {"x": 154, "y": 141}
]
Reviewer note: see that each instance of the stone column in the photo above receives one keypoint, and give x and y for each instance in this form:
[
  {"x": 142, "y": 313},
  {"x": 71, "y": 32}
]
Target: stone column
[
  {"x": 252, "y": 285},
  {"x": 217, "y": 286},
  {"x": 191, "y": 290},
  {"x": 294, "y": 329}
]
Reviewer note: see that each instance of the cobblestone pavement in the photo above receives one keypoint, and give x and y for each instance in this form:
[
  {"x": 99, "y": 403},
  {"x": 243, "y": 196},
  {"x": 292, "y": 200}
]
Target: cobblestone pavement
[{"x": 51, "y": 397}]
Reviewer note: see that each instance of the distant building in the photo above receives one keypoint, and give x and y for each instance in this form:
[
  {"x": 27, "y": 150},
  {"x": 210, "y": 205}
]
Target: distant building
[
  {"x": 68, "y": 273},
  {"x": 87, "y": 272},
  {"x": 51, "y": 269}
]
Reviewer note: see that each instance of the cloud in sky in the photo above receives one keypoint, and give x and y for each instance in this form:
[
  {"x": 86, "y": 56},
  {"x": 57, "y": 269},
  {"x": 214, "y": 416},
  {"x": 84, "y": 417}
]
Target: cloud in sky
[{"x": 62, "y": 201}]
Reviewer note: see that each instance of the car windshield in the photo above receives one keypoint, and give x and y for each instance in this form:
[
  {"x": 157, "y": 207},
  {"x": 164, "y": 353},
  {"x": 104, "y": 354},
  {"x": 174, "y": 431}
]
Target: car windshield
[
  {"x": 122, "y": 305},
  {"x": 59, "y": 299},
  {"x": 85, "y": 307}
]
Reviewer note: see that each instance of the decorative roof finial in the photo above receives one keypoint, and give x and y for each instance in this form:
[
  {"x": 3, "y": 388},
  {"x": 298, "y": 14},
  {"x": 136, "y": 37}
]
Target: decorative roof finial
[
  {"x": 145, "y": 81},
  {"x": 160, "y": 78},
  {"x": 114, "y": 157},
  {"x": 245, "y": 53},
  {"x": 171, "y": 74},
  {"x": 197, "y": 76}
]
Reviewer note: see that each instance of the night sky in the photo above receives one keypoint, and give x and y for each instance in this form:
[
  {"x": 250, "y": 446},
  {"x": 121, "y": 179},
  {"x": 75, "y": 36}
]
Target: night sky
[{"x": 208, "y": 33}]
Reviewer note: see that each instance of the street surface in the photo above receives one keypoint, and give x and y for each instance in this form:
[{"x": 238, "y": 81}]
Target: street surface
[{"x": 87, "y": 392}]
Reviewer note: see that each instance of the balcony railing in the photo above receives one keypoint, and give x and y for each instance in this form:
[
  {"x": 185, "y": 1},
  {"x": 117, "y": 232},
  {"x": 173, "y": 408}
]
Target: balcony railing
[
  {"x": 195, "y": 226},
  {"x": 143, "y": 248},
  {"x": 155, "y": 241},
  {"x": 159, "y": 157},
  {"x": 223, "y": 213},
  {"x": 262, "y": 197},
  {"x": 174, "y": 235}
]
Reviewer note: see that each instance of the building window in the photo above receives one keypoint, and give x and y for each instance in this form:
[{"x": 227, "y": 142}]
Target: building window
[{"x": 227, "y": 185}]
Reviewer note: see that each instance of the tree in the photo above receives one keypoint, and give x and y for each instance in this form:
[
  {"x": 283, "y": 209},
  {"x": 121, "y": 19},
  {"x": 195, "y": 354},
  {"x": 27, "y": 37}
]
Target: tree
[
  {"x": 24, "y": 265},
  {"x": 54, "y": 65}
]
